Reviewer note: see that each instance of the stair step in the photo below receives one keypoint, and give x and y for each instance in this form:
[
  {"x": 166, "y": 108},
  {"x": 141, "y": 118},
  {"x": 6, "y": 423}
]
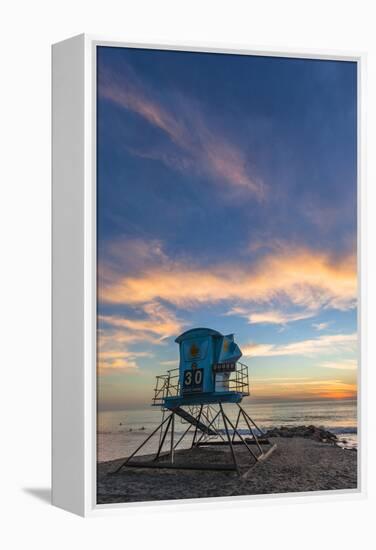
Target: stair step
[{"x": 192, "y": 420}]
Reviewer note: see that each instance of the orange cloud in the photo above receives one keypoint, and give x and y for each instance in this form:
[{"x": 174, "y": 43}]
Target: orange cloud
[
  {"x": 159, "y": 322},
  {"x": 110, "y": 361},
  {"x": 306, "y": 278},
  {"x": 117, "y": 333},
  {"x": 111, "y": 336}
]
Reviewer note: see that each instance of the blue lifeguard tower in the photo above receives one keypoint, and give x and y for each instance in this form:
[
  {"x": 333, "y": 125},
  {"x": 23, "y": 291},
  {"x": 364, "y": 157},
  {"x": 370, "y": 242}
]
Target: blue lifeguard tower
[{"x": 209, "y": 377}]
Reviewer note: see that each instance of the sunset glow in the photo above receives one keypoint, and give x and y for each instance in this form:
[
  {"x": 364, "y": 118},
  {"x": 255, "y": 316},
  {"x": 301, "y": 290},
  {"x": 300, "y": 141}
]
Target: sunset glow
[{"x": 227, "y": 199}]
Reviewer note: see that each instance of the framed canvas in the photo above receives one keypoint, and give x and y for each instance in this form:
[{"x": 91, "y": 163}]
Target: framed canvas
[{"x": 206, "y": 275}]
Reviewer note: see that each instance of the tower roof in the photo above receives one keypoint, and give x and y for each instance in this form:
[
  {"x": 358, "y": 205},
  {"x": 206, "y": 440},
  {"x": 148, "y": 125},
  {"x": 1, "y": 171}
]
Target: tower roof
[{"x": 197, "y": 332}]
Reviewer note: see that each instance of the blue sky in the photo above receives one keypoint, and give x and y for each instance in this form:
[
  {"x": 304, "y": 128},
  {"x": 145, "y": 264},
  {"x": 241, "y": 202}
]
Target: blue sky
[{"x": 226, "y": 198}]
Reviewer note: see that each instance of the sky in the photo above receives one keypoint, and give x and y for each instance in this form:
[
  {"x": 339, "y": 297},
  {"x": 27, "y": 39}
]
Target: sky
[{"x": 226, "y": 198}]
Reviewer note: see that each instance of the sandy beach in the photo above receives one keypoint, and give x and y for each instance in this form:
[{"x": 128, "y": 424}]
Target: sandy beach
[{"x": 297, "y": 464}]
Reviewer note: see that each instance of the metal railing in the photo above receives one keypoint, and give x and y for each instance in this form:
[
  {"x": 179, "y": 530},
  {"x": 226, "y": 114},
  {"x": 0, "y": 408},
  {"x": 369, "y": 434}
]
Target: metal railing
[
  {"x": 168, "y": 385},
  {"x": 239, "y": 380}
]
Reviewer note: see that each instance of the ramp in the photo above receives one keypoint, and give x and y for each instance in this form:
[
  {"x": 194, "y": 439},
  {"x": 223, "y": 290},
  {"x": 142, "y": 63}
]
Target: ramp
[{"x": 194, "y": 421}]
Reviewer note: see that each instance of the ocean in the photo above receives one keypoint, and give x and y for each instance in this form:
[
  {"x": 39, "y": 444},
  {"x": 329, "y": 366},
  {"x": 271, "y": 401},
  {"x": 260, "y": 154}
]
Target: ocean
[{"x": 120, "y": 432}]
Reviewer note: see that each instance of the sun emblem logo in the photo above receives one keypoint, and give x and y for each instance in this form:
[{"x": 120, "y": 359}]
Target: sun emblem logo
[
  {"x": 226, "y": 345},
  {"x": 194, "y": 350}
]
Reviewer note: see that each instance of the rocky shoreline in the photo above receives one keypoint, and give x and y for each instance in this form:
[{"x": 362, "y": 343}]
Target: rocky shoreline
[{"x": 311, "y": 432}]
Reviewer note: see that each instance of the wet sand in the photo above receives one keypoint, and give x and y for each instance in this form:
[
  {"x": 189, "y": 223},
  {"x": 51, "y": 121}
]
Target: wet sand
[{"x": 297, "y": 464}]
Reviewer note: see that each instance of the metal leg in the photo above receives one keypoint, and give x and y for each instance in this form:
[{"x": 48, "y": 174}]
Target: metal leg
[
  {"x": 183, "y": 435},
  {"x": 236, "y": 425},
  {"x": 160, "y": 433},
  {"x": 172, "y": 438},
  {"x": 253, "y": 422},
  {"x": 241, "y": 437},
  {"x": 208, "y": 417},
  {"x": 140, "y": 447},
  {"x": 196, "y": 428},
  {"x": 163, "y": 438},
  {"x": 209, "y": 426},
  {"x": 229, "y": 439},
  {"x": 251, "y": 430},
  {"x": 211, "y": 422}
]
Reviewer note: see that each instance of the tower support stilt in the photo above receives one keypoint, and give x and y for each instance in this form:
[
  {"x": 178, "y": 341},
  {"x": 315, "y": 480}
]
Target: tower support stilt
[{"x": 211, "y": 427}]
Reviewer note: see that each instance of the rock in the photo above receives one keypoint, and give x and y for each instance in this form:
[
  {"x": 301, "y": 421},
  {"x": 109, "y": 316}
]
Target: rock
[{"x": 312, "y": 432}]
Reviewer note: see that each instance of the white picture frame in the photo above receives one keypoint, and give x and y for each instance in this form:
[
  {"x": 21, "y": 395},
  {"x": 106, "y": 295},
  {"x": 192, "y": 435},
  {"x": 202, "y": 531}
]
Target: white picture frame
[{"x": 74, "y": 274}]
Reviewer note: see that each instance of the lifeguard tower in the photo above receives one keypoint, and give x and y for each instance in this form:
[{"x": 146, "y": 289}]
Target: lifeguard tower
[{"x": 210, "y": 377}]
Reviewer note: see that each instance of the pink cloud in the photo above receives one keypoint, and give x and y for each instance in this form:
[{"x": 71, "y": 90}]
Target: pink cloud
[{"x": 200, "y": 147}]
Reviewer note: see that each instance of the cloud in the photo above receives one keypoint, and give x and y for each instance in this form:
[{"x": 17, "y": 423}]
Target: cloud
[
  {"x": 328, "y": 344},
  {"x": 279, "y": 379},
  {"x": 115, "y": 361},
  {"x": 117, "y": 333},
  {"x": 271, "y": 317},
  {"x": 301, "y": 277},
  {"x": 258, "y": 350},
  {"x": 159, "y": 323},
  {"x": 108, "y": 336},
  {"x": 129, "y": 255},
  {"x": 113, "y": 349},
  {"x": 170, "y": 363},
  {"x": 196, "y": 146},
  {"x": 320, "y": 326},
  {"x": 149, "y": 323},
  {"x": 344, "y": 364}
]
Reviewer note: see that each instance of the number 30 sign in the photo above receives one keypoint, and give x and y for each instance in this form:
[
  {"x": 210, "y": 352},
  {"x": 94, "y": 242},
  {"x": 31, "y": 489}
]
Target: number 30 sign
[{"x": 193, "y": 379}]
